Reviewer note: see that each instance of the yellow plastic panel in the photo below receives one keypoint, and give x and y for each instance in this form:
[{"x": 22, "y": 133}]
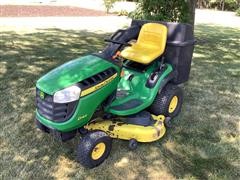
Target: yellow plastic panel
[
  {"x": 118, "y": 129},
  {"x": 151, "y": 44}
]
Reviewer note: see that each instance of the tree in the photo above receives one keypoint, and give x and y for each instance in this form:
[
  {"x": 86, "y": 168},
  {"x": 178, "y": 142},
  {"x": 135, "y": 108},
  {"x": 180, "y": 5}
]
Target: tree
[
  {"x": 171, "y": 10},
  {"x": 191, "y": 6},
  {"x": 230, "y": 5}
]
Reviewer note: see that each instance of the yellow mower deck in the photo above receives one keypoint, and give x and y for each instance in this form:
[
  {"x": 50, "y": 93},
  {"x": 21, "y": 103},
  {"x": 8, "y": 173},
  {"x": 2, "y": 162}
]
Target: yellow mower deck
[{"x": 122, "y": 130}]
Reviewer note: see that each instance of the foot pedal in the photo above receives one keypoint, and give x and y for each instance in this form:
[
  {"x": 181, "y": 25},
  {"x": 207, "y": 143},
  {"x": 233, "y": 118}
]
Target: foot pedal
[
  {"x": 133, "y": 103},
  {"x": 143, "y": 118}
]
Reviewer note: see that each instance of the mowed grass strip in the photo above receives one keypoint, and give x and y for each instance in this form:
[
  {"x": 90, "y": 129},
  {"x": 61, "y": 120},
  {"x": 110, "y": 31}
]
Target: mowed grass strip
[{"x": 203, "y": 144}]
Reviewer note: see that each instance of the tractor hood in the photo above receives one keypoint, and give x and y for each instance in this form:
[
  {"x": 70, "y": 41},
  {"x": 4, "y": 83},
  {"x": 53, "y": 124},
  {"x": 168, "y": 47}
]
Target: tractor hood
[{"x": 71, "y": 73}]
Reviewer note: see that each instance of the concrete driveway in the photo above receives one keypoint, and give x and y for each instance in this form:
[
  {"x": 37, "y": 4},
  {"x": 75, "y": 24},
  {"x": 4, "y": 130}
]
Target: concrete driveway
[{"x": 99, "y": 22}]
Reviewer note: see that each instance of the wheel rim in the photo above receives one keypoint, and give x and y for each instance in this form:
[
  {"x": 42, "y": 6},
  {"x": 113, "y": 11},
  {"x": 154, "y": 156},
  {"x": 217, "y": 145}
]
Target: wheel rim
[
  {"x": 98, "y": 151},
  {"x": 173, "y": 104}
]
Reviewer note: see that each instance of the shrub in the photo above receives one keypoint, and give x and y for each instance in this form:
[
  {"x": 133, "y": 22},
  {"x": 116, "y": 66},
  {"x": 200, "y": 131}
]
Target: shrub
[
  {"x": 174, "y": 10},
  {"x": 122, "y": 13},
  {"x": 238, "y": 12},
  {"x": 162, "y": 10},
  {"x": 230, "y": 5}
]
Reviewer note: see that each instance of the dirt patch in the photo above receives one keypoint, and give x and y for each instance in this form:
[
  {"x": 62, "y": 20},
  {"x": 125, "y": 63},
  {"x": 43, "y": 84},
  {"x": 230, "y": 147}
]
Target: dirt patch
[{"x": 41, "y": 11}]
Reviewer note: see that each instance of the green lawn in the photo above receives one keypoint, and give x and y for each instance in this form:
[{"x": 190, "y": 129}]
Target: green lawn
[{"x": 203, "y": 144}]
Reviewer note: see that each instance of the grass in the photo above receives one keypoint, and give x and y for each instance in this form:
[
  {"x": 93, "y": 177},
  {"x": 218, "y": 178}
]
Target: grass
[{"x": 203, "y": 144}]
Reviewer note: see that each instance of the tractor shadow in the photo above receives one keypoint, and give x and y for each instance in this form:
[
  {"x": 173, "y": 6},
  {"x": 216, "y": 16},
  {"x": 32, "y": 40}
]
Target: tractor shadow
[{"x": 202, "y": 144}]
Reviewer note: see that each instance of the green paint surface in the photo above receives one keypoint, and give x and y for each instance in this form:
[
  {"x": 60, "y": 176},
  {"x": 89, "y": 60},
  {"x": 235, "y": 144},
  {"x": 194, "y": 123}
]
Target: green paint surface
[
  {"x": 71, "y": 72},
  {"x": 77, "y": 70},
  {"x": 136, "y": 89}
]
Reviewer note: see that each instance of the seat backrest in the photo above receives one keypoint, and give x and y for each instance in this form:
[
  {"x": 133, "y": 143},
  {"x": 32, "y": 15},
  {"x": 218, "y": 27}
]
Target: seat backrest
[{"x": 153, "y": 34}]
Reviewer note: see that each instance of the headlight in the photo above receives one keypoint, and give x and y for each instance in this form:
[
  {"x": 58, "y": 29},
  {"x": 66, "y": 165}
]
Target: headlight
[{"x": 66, "y": 95}]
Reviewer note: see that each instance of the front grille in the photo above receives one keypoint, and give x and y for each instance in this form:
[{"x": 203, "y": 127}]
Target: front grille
[{"x": 56, "y": 112}]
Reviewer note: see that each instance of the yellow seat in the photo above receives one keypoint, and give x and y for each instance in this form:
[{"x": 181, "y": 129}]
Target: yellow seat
[{"x": 150, "y": 44}]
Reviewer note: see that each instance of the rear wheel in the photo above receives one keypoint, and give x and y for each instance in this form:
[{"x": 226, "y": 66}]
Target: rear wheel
[
  {"x": 94, "y": 148},
  {"x": 168, "y": 102}
]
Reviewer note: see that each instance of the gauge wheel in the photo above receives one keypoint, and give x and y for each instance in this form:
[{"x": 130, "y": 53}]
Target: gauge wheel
[
  {"x": 94, "y": 148},
  {"x": 83, "y": 131},
  {"x": 168, "y": 102},
  {"x": 132, "y": 144}
]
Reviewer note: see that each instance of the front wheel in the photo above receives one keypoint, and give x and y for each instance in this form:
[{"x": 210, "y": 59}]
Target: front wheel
[
  {"x": 94, "y": 148},
  {"x": 168, "y": 102}
]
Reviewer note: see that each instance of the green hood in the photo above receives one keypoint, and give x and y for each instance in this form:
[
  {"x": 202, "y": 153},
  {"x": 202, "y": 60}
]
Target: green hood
[{"x": 71, "y": 73}]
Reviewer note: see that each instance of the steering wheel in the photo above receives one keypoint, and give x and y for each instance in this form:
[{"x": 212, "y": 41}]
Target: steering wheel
[{"x": 117, "y": 42}]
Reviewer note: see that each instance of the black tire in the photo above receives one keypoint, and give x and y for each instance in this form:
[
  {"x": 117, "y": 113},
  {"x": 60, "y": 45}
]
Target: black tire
[
  {"x": 132, "y": 144},
  {"x": 41, "y": 126},
  {"x": 82, "y": 131},
  {"x": 161, "y": 104},
  {"x": 88, "y": 145},
  {"x": 168, "y": 123}
]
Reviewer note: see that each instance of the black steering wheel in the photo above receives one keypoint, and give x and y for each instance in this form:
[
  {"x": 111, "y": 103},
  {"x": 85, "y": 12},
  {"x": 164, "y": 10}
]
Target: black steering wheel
[{"x": 117, "y": 42}]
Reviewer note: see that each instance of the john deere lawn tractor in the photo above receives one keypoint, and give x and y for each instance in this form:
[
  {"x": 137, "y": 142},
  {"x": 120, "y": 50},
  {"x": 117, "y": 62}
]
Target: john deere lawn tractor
[{"x": 128, "y": 91}]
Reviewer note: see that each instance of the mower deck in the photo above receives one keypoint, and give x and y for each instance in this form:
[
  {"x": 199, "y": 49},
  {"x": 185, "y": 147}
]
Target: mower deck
[{"x": 123, "y": 130}]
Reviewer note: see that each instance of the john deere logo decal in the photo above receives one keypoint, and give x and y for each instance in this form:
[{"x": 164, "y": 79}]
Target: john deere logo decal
[{"x": 41, "y": 94}]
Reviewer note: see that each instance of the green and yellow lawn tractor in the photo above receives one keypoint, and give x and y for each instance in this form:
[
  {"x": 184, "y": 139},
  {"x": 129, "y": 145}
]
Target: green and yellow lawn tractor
[{"x": 128, "y": 91}]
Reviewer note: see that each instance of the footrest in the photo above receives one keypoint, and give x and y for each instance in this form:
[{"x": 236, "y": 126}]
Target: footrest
[{"x": 133, "y": 103}]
